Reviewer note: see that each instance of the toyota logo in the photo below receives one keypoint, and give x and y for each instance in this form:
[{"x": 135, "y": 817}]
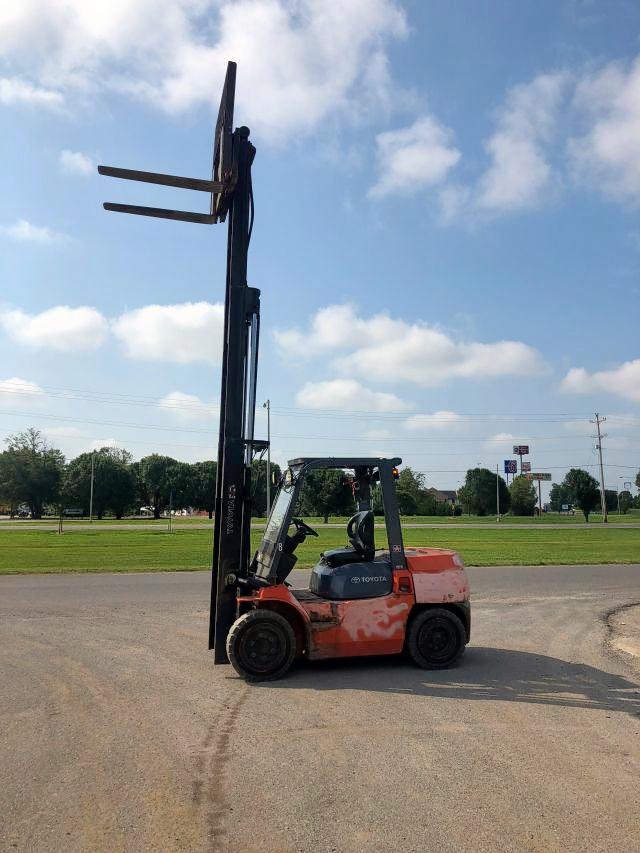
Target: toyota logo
[{"x": 355, "y": 580}]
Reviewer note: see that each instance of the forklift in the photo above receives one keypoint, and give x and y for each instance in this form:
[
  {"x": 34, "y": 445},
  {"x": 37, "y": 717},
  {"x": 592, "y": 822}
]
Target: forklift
[{"x": 360, "y": 600}]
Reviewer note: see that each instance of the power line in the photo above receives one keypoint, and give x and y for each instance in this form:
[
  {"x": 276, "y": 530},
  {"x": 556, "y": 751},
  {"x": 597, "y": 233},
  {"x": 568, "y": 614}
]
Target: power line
[
  {"x": 491, "y": 440},
  {"x": 155, "y": 402}
]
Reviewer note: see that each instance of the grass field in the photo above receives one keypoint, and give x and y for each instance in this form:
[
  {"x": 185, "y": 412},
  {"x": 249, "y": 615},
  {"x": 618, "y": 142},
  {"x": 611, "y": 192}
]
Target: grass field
[
  {"x": 632, "y": 517},
  {"x": 147, "y": 550}
]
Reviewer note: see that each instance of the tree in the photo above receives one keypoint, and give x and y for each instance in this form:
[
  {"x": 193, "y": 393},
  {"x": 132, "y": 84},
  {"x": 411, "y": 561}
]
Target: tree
[
  {"x": 478, "y": 495},
  {"x": 30, "y": 471},
  {"x": 113, "y": 481},
  {"x": 638, "y": 480},
  {"x": 583, "y": 490},
  {"x": 157, "y": 476},
  {"x": 523, "y": 496},
  {"x": 409, "y": 491},
  {"x": 259, "y": 484},
  {"x": 413, "y": 495},
  {"x": 611, "y": 500},
  {"x": 326, "y": 492},
  {"x": 204, "y": 477},
  {"x": 626, "y": 502},
  {"x": 559, "y": 496}
]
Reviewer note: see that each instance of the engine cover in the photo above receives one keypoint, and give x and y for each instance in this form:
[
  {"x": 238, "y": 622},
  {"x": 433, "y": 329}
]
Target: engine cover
[{"x": 353, "y": 580}]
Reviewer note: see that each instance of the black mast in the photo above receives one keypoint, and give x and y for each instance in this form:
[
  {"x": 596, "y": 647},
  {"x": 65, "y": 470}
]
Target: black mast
[
  {"x": 231, "y": 193},
  {"x": 232, "y": 525}
]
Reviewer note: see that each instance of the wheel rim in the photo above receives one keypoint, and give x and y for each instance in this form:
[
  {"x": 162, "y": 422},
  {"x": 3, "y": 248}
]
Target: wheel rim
[
  {"x": 438, "y": 640},
  {"x": 262, "y": 649}
]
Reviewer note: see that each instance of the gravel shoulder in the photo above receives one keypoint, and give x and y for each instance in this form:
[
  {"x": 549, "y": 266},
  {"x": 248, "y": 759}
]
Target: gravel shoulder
[{"x": 624, "y": 625}]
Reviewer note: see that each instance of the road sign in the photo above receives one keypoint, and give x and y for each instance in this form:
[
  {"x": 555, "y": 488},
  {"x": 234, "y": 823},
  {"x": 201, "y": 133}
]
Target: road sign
[
  {"x": 510, "y": 466},
  {"x": 536, "y": 475},
  {"x": 565, "y": 507},
  {"x": 521, "y": 449},
  {"x": 526, "y": 467}
]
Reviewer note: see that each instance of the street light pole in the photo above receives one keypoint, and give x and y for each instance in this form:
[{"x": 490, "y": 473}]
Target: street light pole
[
  {"x": 603, "y": 497},
  {"x": 498, "y": 492},
  {"x": 93, "y": 465},
  {"x": 267, "y": 406}
]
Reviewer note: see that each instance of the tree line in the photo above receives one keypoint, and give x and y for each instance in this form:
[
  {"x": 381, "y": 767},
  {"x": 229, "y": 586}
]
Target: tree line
[
  {"x": 34, "y": 473},
  {"x": 578, "y": 489}
]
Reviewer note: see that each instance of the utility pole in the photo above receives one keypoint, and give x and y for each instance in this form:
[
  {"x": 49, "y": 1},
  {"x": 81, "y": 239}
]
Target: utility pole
[
  {"x": 603, "y": 498},
  {"x": 93, "y": 466},
  {"x": 170, "y": 506},
  {"x": 267, "y": 406},
  {"x": 539, "y": 500},
  {"x": 498, "y": 492}
]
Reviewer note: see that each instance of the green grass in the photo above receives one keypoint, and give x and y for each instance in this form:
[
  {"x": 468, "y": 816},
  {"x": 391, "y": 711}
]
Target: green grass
[
  {"x": 633, "y": 516},
  {"x": 185, "y": 549}
]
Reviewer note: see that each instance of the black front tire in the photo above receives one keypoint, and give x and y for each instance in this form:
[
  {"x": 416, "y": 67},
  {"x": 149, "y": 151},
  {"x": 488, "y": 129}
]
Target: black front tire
[
  {"x": 436, "y": 638},
  {"x": 261, "y": 645}
]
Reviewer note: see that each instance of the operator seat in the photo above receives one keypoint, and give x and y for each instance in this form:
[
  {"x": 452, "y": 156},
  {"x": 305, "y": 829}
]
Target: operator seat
[
  {"x": 361, "y": 536},
  {"x": 354, "y": 571}
]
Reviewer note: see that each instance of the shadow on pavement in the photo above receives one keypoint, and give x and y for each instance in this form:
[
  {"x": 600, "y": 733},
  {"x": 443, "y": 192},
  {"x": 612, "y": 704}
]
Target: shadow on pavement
[{"x": 500, "y": 675}]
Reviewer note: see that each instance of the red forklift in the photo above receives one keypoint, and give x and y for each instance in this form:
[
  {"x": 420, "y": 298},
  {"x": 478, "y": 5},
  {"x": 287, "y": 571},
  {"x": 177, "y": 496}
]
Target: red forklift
[{"x": 360, "y": 600}]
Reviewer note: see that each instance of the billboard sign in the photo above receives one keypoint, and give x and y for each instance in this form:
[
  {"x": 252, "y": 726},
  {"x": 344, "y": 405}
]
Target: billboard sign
[
  {"x": 526, "y": 467},
  {"x": 536, "y": 475},
  {"x": 521, "y": 449},
  {"x": 510, "y": 466}
]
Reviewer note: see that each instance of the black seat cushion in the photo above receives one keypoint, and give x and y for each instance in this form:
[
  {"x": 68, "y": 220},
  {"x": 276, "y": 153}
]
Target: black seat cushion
[
  {"x": 341, "y": 556},
  {"x": 360, "y": 531}
]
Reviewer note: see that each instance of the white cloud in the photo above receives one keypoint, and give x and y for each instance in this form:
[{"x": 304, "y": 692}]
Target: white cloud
[
  {"x": 22, "y": 392},
  {"x": 519, "y": 173},
  {"x": 347, "y": 395},
  {"x": 76, "y": 163},
  {"x": 441, "y": 420},
  {"x": 60, "y": 328},
  {"x": 500, "y": 438},
  {"x": 376, "y": 434},
  {"x": 186, "y": 333},
  {"x": 13, "y": 90},
  {"x": 412, "y": 158},
  {"x": 623, "y": 380},
  {"x": 397, "y": 351},
  {"x": 24, "y": 232},
  {"x": 330, "y": 328},
  {"x": 188, "y": 407},
  {"x": 301, "y": 62},
  {"x": 608, "y": 154}
]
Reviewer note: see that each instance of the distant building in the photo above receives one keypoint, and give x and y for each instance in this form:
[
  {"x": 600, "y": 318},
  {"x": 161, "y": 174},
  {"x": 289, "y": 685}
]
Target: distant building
[{"x": 442, "y": 495}]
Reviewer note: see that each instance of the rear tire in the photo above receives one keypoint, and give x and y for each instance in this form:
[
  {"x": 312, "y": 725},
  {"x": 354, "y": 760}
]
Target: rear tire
[
  {"x": 261, "y": 645},
  {"x": 436, "y": 638}
]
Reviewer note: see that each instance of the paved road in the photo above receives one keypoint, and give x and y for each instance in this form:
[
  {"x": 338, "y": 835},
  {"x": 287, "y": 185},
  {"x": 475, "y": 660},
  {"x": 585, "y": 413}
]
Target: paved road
[{"x": 118, "y": 735}]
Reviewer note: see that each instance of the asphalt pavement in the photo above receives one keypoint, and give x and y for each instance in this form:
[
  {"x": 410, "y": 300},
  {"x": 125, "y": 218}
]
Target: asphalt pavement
[{"x": 118, "y": 734}]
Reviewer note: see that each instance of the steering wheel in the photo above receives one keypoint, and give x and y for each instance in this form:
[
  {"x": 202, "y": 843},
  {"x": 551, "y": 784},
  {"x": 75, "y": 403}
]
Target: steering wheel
[{"x": 303, "y": 528}]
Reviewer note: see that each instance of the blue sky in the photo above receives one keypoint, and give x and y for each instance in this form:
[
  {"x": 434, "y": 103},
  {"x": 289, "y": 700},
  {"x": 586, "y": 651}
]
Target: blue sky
[{"x": 447, "y": 236}]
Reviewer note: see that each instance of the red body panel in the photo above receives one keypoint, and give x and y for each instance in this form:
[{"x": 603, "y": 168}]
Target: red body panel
[
  {"x": 370, "y": 626},
  {"x": 438, "y": 575}
]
